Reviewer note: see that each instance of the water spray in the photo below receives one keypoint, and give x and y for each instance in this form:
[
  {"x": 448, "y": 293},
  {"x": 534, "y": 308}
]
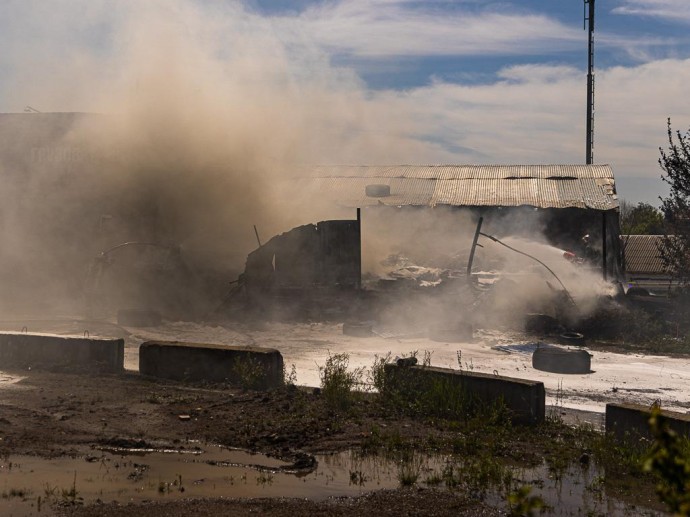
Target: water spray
[{"x": 478, "y": 232}]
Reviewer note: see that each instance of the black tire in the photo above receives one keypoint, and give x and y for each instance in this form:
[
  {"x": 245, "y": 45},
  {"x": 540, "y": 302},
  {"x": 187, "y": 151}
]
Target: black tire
[
  {"x": 572, "y": 338},
  {"x": 559, "y": 360},
  {"x": 358, "y": 329}
]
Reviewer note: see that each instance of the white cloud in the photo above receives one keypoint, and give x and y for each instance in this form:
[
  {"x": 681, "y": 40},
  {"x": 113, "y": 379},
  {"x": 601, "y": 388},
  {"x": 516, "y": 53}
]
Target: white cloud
[
  {"x": 529, "y": 114},
  {"x": 371, "y": 28},
  {"x": 673, "y": 10},
  {"x": 536, "y": 114}
]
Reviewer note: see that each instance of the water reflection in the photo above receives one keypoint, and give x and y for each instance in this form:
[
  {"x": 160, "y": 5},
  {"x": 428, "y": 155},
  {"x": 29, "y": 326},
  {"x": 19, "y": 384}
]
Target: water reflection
[{"x": 30, "y": 484}]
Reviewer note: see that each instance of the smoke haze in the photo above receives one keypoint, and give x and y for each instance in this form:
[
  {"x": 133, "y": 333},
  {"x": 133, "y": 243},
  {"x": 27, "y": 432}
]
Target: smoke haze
[
  {"x": 199, "y": 112},
  {"x": 202, "y": 112}
]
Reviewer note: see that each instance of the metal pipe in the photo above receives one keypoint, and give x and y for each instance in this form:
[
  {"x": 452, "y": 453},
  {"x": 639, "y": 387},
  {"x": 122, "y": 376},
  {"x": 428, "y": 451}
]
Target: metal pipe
[{"x": 474, "y": 246}]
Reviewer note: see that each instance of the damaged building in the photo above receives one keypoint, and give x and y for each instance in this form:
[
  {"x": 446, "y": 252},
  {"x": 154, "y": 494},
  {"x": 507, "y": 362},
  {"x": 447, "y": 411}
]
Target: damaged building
[
  {"x": 294, "y": 272},
  {"x": 572, "y": 208},
  {"x": 569, "y": 202},
  {"x": 94, "y": 226}
]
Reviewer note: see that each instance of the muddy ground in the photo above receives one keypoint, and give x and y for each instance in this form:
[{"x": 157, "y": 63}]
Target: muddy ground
[
  {"x": 57, "y": 414},
  {"x": 51, "y": 415}
]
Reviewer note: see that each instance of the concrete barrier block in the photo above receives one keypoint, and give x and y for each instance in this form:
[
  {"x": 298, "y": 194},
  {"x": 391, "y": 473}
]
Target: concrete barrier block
[
  {"x": 631, "y": 421},
  {"x": 251, "y": 367},
  {"x": 60, "y": 353},
  {"x": 524, "y": 399}
]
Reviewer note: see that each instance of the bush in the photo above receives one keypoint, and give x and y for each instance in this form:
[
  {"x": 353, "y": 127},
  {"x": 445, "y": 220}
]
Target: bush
[
  {"x": 669, "y": 460},
  {"x": 337, "y": 383}
]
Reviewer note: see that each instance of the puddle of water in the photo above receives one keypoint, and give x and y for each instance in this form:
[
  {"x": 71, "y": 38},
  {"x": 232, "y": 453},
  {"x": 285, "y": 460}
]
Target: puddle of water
[
  {"x": 136, "y": 475},
  {"x": 28, "y": 484},
  {"x": 7, "y": 379}
]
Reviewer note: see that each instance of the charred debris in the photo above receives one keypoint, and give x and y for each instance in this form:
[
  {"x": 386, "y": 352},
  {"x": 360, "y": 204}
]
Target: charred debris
[{"x": 314, "y": 272}]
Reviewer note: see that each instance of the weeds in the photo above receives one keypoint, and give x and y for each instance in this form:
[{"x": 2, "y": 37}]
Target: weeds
[
  {"x": 69, "y": 495},
  {"x": 669, "y": 459},
  {"x": 248, "y": 373},
  {"x": 554, "y": 414},
  {"x": 337, "y": 382},
  {"x": 409, "y": 469},
  {"x": 167, "y": 487},
  {"x": 426, "y": 361},
  {"x": 290, "y": 378},
  {"x": 265, "y": 478},
  {"x": 21, "y": 493},
  {"x": 377, "y": 374},
  {"x": 434, "y": 479},
  {"x": 358, "y": 478},
  {"x": 520, "y": 503}
]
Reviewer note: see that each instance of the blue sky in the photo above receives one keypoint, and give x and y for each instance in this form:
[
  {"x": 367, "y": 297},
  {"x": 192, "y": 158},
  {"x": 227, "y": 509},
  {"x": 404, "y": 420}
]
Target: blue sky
[
  {"x": 478, "y": 81},
  {"x": 402, "y": 44}
]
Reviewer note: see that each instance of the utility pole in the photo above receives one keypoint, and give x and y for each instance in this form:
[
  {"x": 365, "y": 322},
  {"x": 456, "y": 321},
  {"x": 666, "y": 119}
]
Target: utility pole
[
  {"x": 589, "y": 17},
  {"x": 589, "y": 159}
]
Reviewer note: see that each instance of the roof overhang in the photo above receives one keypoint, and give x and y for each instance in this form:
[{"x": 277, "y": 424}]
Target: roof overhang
[{"x": 540, "y": 186}]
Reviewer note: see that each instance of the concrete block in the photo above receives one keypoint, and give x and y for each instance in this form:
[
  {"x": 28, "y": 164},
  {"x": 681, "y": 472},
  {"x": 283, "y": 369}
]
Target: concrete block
[
  {"x": 524, "y": 399},
  {"x": 60, "y": 353},
  {"x": 631, "y": 421},
  {"x": 251, "y": 367}
]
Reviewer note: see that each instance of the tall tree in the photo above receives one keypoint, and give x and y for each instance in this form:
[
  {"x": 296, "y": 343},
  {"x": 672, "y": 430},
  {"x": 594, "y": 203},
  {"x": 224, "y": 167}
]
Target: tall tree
[
  {"x": 641, "y": 219},
  {"x": 675, "y": 162}
]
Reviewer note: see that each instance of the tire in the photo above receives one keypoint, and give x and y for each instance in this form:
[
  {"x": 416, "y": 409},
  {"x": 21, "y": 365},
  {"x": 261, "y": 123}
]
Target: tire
[
  {"x": 559, "y": 360},
  {"x": 358, "y": 329},
  {"x": 572, "y": 338}
]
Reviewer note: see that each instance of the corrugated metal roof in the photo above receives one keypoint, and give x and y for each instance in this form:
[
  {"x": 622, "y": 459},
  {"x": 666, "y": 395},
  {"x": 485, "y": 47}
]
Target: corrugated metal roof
[
  {"x": 543, "y": 186},
  {"x": 642, "y": 255}
]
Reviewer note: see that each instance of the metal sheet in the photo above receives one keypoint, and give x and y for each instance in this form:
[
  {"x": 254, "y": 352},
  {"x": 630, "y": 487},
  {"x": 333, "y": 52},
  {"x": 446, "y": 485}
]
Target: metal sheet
[
  {"x": 642, "y": 254},
  {"x": 542, "y": 186}
]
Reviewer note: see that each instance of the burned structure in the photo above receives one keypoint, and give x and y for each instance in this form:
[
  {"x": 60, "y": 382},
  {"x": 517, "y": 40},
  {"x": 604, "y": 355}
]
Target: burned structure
[
  {"x": 114, "y": 229},
  {"x": 564, "y": 203},
  {"x": 416, "y": 231},
  {"x": 295, "y": 272}
]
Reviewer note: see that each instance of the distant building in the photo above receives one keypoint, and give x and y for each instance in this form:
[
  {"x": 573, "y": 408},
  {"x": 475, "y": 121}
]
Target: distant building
[{"x": 644, "y": 268}]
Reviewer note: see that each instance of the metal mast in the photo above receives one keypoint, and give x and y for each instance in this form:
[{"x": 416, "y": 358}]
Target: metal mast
[{"x": 589, "y": 17}]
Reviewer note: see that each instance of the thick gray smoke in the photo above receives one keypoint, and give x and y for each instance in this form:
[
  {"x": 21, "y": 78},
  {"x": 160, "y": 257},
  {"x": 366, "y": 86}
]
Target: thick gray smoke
[{"x": 202, "y": 111}]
